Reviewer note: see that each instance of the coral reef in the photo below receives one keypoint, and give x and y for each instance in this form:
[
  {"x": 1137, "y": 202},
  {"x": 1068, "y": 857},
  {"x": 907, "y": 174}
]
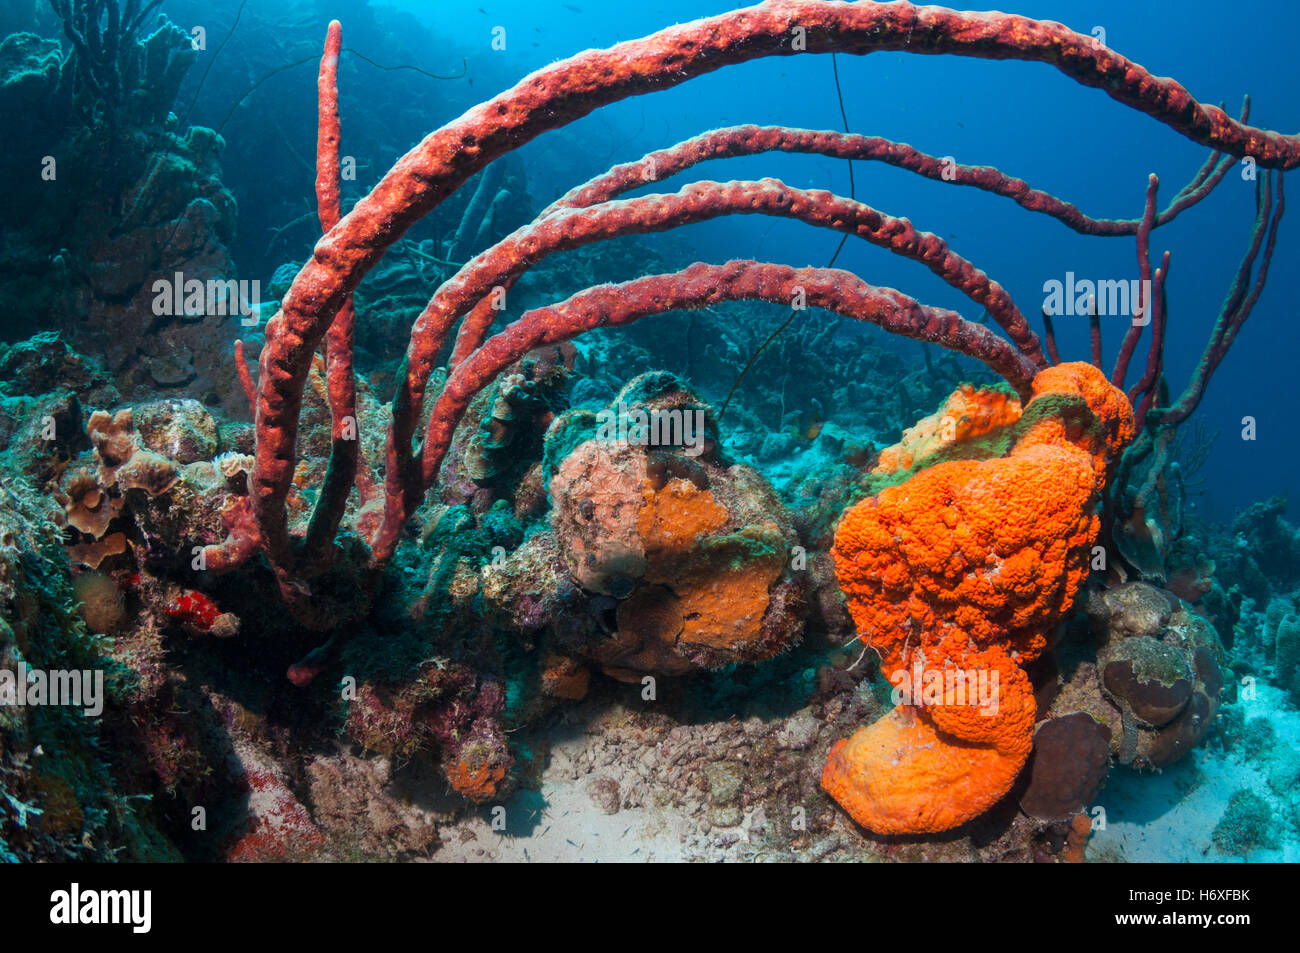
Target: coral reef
[
  {"x": 130, "y": 198},
  {"x": 65, "y": 797},
  {"x": 520, "y": 527},
  {"x": 1162, "y": 667}
]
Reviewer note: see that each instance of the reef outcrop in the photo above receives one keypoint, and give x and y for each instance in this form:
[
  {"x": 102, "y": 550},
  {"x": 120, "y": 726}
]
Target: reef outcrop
[{"x": 683, "y": 558}]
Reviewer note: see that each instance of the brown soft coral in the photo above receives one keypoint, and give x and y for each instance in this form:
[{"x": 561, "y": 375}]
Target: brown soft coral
[
  {"x": 148, "y": 471},
  {"x": 87, "y": 507},
  {"x": 965, "y": 566},
  {"x": 114, "y": 440},
  {"x": 93, "y": 499}
]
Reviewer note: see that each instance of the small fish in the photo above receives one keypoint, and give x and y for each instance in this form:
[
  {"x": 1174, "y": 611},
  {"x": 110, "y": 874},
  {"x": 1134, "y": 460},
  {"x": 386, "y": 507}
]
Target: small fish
[{"x": 810, "y": 422}]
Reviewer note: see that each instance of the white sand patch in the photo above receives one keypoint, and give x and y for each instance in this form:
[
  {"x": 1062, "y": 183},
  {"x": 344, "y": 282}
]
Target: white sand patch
[
  {"x": 563, "y": 825},
  {"x": 1170, "y": 816}
]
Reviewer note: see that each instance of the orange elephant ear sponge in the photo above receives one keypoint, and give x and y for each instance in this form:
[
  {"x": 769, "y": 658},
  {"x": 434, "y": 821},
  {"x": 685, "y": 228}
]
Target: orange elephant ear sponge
[
  {"x": 960, "y": 571},
  {"x": 900, "y": 775},
  {"x": 933, "y": 768}
]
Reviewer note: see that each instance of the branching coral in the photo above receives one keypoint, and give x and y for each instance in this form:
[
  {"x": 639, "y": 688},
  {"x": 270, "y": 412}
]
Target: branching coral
[{"x": 118, "y": 68}]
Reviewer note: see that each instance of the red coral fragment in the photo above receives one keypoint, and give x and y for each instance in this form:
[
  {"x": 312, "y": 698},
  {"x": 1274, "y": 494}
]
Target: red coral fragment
[{"x": 193, "y": 609}]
